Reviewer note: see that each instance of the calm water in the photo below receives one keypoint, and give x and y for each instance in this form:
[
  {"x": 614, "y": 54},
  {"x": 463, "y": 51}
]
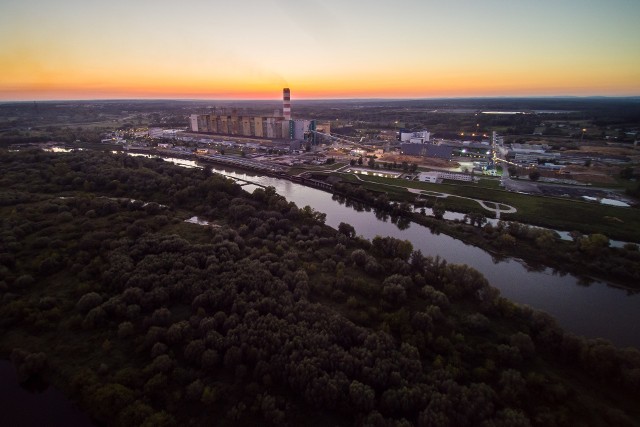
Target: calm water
[
  {"x": 22, "y": 408},
  {"x": 594, "y": 310}
]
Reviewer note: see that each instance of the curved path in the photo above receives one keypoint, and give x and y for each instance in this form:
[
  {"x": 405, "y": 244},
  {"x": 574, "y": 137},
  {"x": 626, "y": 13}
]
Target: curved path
[{"x": 498, "y": 208}]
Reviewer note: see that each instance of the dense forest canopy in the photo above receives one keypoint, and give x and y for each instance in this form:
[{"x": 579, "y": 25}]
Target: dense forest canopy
[{"x": 266, "y": 316}]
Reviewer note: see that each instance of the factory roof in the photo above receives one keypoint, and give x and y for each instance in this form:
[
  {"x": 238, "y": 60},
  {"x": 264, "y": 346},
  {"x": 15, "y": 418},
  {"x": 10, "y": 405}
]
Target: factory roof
[{"x": 427, "y": 150}]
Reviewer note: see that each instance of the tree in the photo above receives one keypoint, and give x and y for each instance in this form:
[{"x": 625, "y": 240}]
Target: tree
[
  {"x": 360, "y": 160},
  {"x": 506, "y": 240},
  {"x": 477, "y": 219},
  {"x": 359, "y": 257},
  {"x": 534, "y": 175},
  {"x": 89, "y": 301},
  {"x": 347, "y": 229},
  {"x": 371, "y": 163},
  {"x": 393, "y": 248},
  {"x": 438, "y": 211},
  {"x": 362, "y": 396},
  {"x": 593, "y": 244}
]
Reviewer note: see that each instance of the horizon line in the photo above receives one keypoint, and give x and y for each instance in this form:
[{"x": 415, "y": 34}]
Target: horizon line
[{"x": 506, "y": 97}]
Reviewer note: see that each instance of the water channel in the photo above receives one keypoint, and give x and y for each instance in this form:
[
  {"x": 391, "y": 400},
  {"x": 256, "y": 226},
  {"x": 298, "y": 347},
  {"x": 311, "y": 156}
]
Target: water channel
[{"x": 594, "y": 310}]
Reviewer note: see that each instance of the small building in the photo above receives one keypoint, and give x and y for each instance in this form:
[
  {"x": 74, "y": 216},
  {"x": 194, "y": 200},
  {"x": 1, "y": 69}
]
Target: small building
[
  {"x": 437, "y": 177},
  {"x": 432, "y": 177},
  {"x": 421, "y": 137}
]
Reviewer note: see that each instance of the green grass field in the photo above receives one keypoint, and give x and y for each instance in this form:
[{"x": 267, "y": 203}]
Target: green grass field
[
  {"x": 562, "y": 214},
  {"x": 310, "y": 168}
]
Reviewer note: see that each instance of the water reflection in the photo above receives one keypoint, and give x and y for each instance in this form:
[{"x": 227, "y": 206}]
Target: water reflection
[
  {"x": 583, "y": 306},
  {"x": 594, "y": 311}
]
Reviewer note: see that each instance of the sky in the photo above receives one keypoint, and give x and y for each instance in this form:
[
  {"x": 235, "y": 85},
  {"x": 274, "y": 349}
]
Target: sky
[{"x": 251, "y": 49}]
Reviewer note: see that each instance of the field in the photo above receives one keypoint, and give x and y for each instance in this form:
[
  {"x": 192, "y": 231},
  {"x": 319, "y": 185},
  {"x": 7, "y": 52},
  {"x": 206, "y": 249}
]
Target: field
[{"x": 558, "y": 213}]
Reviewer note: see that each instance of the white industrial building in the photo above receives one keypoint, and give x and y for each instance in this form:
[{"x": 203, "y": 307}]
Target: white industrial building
[
  {"x": 163, "y": 133},
  {"x": 439, "y": 176},
  {"x": 421, "y": 137}
]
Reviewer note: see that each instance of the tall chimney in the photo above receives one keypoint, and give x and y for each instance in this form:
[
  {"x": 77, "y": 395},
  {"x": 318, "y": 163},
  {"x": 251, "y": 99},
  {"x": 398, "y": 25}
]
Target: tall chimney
[{"x": 286, "y": 103}]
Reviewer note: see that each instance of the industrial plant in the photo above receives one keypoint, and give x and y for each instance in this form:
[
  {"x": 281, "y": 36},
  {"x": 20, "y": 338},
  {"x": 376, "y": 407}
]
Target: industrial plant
[{"x": 278, "y": 126}]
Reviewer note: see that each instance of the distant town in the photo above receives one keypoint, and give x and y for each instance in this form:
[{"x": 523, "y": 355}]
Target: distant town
[{"x": 393, "y": 139}]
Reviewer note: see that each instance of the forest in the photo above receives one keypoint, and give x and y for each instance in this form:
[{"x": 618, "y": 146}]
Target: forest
[
  {"x": 587, "y": 255},
  {"x": 265, "y": 315}
]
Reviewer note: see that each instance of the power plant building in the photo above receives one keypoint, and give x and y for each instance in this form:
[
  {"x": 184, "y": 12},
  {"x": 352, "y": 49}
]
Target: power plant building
[{"x": 270, "y": 127}]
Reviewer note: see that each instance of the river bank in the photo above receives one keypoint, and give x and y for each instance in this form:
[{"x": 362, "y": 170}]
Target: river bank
[
  {"x": 147, "y": 319},
  {"x": 618, "y": 266},
  {"x": 591, "y": 308}
]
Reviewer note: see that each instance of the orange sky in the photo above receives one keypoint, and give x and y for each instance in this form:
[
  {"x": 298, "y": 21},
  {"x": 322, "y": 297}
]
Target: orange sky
[{"x": 329, "y": 49}]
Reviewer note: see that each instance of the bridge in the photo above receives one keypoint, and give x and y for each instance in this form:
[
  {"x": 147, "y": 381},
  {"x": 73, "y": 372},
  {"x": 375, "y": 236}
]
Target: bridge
[
  {"x": 244, "y": 181},
  {"x": 242, "y": 163}
]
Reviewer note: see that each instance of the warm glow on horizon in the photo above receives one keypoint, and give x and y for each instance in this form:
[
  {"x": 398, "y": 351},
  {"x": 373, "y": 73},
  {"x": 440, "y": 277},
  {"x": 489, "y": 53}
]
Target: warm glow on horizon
[{"x": 408, "y": 49}]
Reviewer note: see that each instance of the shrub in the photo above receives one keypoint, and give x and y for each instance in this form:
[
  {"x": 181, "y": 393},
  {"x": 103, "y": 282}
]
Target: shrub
[{"x": 89, "y": 301}]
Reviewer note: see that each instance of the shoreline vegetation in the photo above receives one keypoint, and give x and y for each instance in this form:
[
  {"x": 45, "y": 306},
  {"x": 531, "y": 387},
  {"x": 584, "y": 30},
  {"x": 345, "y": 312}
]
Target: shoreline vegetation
[
  {"x": 584, "y": 256},
  {"x": 270, "y": 317},
  {"x": 544, "y": 211},
  {"x": 588, "y": 255}
]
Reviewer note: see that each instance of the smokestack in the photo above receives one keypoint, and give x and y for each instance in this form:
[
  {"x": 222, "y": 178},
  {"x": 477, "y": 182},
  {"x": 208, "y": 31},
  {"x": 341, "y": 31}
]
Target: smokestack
[{"x": 286, "y": 103}]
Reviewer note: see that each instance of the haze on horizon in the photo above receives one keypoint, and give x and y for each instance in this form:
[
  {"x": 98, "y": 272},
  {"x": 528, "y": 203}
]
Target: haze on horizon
[{"x": 330, "y": 49}]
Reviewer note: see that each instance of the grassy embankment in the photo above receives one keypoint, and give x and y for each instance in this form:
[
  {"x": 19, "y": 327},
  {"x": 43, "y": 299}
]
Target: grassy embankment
[
  {"x": 296, "y": 170},
  {"x": 562, "y": 214}
]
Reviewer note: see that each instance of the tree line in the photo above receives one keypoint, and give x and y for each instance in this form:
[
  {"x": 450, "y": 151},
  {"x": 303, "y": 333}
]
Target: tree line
[{"x": 267, "y": 316}]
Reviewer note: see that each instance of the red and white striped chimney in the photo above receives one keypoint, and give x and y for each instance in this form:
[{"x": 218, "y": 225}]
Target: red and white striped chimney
[{"x": 286, "y": 103}]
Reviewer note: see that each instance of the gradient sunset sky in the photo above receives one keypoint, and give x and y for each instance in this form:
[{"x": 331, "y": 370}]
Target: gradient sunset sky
[{"x": 250, "y": 49}]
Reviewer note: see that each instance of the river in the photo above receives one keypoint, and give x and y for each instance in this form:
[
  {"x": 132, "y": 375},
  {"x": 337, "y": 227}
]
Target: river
[{"x": 595, "y": 310}]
